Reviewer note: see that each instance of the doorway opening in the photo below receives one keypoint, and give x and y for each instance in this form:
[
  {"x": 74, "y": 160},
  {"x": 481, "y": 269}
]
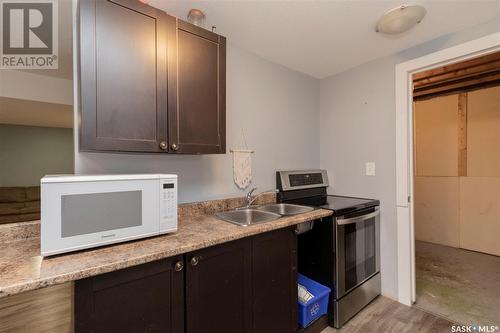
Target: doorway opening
[{"x": 456, "y": 188}]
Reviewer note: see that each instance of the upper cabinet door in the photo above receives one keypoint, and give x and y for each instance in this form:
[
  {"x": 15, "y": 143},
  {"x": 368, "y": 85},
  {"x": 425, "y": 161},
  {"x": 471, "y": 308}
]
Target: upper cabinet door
[
  {"x": 123, "y": 76},
  {"x": 197, "y": 92}
]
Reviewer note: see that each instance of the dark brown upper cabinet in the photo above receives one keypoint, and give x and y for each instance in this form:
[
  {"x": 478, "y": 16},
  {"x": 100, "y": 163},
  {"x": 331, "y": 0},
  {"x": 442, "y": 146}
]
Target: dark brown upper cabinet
[
  {"x": 123, "y": 65},
  {"x": 149, "y": 82},
  {"x": 197, "y": 91}
]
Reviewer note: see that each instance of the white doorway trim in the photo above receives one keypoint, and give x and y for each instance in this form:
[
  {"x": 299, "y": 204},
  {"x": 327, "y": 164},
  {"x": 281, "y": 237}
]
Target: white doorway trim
[{"x": 404, "y": 149}]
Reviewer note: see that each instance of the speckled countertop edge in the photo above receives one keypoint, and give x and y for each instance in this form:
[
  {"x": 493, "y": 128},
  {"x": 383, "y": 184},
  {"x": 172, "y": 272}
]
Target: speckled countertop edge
[{"x": 23, "y": 269}]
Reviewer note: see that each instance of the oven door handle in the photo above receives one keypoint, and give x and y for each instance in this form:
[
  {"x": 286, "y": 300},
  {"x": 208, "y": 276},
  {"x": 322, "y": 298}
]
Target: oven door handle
[{"x": 357, "y": 219}]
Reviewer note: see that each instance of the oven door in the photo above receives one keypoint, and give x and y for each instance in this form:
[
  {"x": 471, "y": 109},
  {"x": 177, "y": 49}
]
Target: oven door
[{"x": 357, "y": 249}]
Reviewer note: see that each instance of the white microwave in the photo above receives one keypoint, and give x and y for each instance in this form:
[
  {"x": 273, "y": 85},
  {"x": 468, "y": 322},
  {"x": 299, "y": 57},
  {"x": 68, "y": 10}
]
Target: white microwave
[{"x": 79, "y": 212}]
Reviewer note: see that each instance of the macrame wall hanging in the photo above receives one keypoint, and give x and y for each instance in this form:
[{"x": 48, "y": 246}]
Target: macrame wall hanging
[{"x": 242, "y": 164}]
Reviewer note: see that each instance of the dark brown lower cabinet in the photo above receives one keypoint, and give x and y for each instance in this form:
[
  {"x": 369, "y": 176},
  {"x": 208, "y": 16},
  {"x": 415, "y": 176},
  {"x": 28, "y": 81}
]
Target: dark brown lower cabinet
[
  {"x": 248, "y": 285},
  {"x": 219, "y": 289},
  {"x": 274, "y": 278},
  {"x": 145, "y": 298},
  {"x": 244, "y": 286}
]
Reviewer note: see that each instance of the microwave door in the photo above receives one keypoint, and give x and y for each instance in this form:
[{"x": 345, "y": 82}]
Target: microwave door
[
  {"x": 357, "y": 250},
  {"x": 98, "y": 213},
  {"x": 83, "y": 214}
]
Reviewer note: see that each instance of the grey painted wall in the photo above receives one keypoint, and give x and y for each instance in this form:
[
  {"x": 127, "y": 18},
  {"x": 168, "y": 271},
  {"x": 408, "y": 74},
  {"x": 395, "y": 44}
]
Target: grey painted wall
[
  {"x": 27, "y": 153},
  {"x": 358, "y": 124},
  {"x": 276, "y": 107}
]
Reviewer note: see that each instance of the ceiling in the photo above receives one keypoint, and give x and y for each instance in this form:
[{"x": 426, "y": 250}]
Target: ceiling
[{"x": 322, "y": 38}]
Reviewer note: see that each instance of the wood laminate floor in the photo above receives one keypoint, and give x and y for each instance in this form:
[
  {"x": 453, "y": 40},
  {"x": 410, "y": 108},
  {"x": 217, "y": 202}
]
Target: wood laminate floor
[{"x": 384, "y": 315}]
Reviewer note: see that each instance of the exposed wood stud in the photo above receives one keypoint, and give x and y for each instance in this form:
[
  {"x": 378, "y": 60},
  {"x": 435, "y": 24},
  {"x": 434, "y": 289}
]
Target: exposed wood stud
[
  {"x": 462, "y": 134},
  {"x": 464, "y": 66},
  {"x": 478, "y": 82},
  {"x": 471, "y": 74}
]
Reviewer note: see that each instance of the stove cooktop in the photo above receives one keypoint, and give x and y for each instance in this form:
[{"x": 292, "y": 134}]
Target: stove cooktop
[
  {"x": 309, "y": 187},
  {"x": 341, "y": 205}
]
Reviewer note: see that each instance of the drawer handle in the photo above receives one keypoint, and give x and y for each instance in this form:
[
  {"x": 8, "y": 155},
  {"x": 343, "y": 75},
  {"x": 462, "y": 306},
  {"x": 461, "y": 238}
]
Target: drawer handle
[
  {"x": 163, "y": 145},
  {"x": 195, "y": 260},
  {"x": 179, "y": 266},
  {"x": 175, "y": 147}
]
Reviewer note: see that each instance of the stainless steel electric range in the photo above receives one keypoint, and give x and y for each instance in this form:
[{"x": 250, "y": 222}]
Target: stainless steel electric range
[{"x": 342, "y": 251}]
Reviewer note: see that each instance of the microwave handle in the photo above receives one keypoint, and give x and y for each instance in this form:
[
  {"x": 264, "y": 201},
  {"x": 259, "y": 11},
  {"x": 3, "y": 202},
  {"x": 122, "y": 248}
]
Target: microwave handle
[{"x": 359, "y": 218}]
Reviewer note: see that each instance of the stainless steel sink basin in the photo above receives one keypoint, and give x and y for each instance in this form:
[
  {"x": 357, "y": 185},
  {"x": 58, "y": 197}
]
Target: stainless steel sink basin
[
  {"x": 247, "y": 216},
  {"x": 285, "y": 209}
]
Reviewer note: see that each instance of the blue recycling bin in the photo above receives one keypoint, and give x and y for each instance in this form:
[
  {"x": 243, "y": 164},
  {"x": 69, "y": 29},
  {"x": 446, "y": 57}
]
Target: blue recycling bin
[{"x": 316, "y": 306}]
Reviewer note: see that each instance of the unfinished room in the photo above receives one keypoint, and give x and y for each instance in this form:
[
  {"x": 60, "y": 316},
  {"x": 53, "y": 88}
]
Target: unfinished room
[{"x": 457, "y": 190}]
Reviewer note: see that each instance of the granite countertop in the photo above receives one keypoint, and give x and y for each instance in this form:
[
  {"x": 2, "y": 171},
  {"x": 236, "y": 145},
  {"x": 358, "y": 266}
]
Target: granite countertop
[{"x": 22, "y": 268}]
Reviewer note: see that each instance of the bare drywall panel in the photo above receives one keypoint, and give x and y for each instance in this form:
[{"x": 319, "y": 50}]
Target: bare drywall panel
[
  {"x": 436, "y": 136},
  {"x": 480, "y": 214},
  {"x": 437, "y": 210},
  {"x": 483, "y": 133}
]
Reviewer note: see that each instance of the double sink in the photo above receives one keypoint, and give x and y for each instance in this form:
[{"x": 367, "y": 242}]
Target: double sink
[{"x": 260, "y": 214}]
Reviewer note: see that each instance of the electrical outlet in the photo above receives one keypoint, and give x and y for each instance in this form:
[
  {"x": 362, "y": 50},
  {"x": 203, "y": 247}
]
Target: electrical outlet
[{"x": 370, "y": 168}]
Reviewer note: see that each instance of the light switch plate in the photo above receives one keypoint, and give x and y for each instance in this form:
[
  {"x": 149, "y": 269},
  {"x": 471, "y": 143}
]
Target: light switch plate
[{"x": 370, "y": 168}]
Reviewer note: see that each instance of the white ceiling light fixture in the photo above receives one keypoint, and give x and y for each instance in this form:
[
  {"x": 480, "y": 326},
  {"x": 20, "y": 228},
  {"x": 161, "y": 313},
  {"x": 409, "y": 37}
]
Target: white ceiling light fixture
[{"x": 400, "y": 19}]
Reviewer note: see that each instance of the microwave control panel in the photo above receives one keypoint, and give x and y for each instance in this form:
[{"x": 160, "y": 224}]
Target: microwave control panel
[{"x": 168, "y": 205}]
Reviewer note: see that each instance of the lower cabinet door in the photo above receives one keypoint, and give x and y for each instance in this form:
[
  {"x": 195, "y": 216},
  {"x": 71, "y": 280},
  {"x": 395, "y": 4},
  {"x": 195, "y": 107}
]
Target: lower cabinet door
[
  {"x": 144, "y": 298},
  {"x": 274, "y": 275},
  {"x": 219, "y": 289}
]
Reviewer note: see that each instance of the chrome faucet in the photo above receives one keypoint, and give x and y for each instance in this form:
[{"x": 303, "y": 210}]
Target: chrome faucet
[
  {"x": 251, "y": 200},
  {"x": 249, "y": 196}
]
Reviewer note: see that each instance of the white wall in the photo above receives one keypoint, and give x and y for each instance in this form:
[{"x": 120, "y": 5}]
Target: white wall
[
  {"x": 276, "y": 107},
  {"x": 357, "y": 125}
]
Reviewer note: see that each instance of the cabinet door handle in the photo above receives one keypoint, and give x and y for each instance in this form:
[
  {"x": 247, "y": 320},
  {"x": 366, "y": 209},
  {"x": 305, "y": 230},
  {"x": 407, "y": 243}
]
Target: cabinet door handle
[
  {"x": 163, "y": 145},
  {"x": 195, "y": 260},
  {"x": 174, "y": 146},
  {"x": 179, "y": 266}
]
